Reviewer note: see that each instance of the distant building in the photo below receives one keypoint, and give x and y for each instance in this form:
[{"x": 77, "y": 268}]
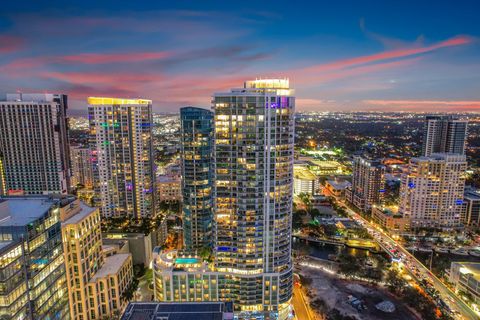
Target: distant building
[
  {"x": 139, "y": 244},
  {"x": 472, "y": 208},
  {"x": 337, "y": 187},
  {"x": 179, "y": 311},
  {"x": 82, "y": 166},
  {"x": 390, "y": 219},
  {"x": 465, "y": 276},
  {"x": 197, "y": 176},
  {"x": 34, "y": 283},
  {"x": 169, "y": 188},
  {"x": 304, "y": 181},
  {"x": 444, "y": 134},
  {"x": 431, "y": 191},
  {"x": 122, "y": 151},
  {"x": 34, "y": 144},
  {"x": 96, "y": 283},
  {"x": 368, "y": 183}
]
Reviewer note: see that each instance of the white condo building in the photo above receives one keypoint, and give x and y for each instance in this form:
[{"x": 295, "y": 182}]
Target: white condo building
[
  {"x": 253, "y": 193},
  {"x": 34, "y": 149},
  {"x": 444, "y": 134},
  {"x": 431, "y": 191},
  {"x": 122, "y": 150}
]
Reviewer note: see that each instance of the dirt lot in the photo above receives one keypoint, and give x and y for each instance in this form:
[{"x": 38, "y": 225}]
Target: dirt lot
[{"x": 327, "y": 286}]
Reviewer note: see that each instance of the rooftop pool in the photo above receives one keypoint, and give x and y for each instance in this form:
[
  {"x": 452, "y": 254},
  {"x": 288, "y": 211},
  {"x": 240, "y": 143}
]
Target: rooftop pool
[{"x": 186, "y": 260}]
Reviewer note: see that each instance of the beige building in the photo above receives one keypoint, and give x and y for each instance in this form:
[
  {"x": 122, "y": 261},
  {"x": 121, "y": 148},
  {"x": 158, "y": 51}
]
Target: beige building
[
  {"x": 431, "y": 191},
  {"x": 169, "y": 188},
  {"x": 390, "y": 219},
  {"x": 96, "y": 283}
]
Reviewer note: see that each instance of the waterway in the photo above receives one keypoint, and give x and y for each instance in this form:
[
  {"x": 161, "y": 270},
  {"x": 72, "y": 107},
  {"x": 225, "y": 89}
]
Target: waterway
[{"x": 324, "y": 250}]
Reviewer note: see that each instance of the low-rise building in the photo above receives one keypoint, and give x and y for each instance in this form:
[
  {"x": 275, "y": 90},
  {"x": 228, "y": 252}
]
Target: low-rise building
[
  {"x": 304, "y": 181},
  {"x": 337, "y": 187},
  {"x": 179, "y": 311},
  {"x": 465, "y": 276},
  {"x": 139, "y": 244},
  {"x": 169, "y": 188},
  {"x": 390, "y": 219}
]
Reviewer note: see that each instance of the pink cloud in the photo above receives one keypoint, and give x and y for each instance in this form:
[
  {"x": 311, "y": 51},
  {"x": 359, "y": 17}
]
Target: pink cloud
[
  {"x": 10, "y": 44},
  {"x": 98, "y": 78},
  {"x": 386, "y": 55},
  {"x": 439, "y": 105},
  {"x": 101, "y": 58}
]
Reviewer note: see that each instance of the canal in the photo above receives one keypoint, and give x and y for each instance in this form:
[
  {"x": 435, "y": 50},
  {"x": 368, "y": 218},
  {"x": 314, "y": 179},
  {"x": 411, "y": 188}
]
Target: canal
[{"x": 325, "y": 250}]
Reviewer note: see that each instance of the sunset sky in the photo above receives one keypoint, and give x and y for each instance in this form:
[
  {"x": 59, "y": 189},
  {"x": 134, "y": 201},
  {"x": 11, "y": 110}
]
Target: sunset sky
[{"x": 339, "y": 55}]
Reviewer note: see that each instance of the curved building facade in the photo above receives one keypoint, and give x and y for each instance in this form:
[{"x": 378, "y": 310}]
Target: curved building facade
[
  {"x": 252, "y": 209},
  {"x": 253, "y": 189}
]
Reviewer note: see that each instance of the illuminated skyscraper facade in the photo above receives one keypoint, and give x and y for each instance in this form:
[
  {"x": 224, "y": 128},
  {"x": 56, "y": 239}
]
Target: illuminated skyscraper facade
[
  {"x": 444, "y": 134},
  {"x": 122, "y": 151},
  {"x": 368, "y": 183},
  {"x": 31, "y": 259},
  {"x": 432, "y": 191},
  {"x": 197, "y": 176},
  {"x": 34, "y": 147},
  {"x": 82, "y": 166},
  {"x": 253, "y": 193}
]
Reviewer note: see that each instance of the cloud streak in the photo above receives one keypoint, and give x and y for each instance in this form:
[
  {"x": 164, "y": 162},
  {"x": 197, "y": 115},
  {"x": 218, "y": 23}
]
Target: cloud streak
[{"x": 9, "y": 44}]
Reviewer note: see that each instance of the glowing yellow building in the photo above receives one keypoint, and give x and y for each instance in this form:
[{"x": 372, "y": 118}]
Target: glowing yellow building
[{"x": 96, "y": 284}]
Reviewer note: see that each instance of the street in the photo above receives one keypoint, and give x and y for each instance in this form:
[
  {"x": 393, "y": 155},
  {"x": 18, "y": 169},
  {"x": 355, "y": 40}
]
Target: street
[
  {"x": 302, "y": 311},
  {"x": 414, "y": 267}
]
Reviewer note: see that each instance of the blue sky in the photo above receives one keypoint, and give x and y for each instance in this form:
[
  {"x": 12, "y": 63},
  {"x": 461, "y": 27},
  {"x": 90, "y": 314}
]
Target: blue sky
[{"x": 339, "y": 55}]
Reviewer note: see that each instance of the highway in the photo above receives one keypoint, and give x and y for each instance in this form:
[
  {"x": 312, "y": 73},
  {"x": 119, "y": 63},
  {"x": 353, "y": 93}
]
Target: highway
[{"x": 415, "y": 267}]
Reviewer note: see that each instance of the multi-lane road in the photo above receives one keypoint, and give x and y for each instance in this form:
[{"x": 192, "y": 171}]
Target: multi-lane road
[{"x": 415, "y": 267}]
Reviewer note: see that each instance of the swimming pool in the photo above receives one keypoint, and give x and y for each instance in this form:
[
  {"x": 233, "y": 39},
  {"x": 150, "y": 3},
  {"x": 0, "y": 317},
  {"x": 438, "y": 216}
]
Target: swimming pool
[{"x": 186, "y": 260}]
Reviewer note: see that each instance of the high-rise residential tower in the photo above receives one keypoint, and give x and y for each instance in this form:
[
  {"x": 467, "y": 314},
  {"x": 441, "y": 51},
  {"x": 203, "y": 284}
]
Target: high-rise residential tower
[
  {"x": 82, "y": 166},
  {"x": 431, "y": 191},
  {"x": 368, "y": 183},
  {"x": 197, "y": 176},
  {"x": 122, "y": 151},
  {"x": 444, "y": 134},
  {"x": 253, "y": 193},
  {"x": 34, "y": 147}
]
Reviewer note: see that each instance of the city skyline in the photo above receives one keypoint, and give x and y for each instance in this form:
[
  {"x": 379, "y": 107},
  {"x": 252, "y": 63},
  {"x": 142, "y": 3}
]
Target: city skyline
[{"x": 344, "y": 56}]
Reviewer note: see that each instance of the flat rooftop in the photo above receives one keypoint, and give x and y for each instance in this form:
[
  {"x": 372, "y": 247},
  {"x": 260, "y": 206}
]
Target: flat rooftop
[
  {"x": 20, "y": 211},
  {"x": 340, "y": 184},
  {"x": 112, "y": 265},
  {"x": 178, "y": 311},
  {"x": 82, "y": 214},
  {"x": 303, "y": 173},
  {"x": 472, "y": 268}
]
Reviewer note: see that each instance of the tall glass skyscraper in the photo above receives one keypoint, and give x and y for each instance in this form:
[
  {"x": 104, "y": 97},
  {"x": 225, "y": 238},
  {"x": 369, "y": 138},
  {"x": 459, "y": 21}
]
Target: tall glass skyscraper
[
  {"x": 196, "y": 155},
  {"x": 253, "y": 194},
  {"x": 34, "y": 284},
  {"x": 122, "y": 152}
]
